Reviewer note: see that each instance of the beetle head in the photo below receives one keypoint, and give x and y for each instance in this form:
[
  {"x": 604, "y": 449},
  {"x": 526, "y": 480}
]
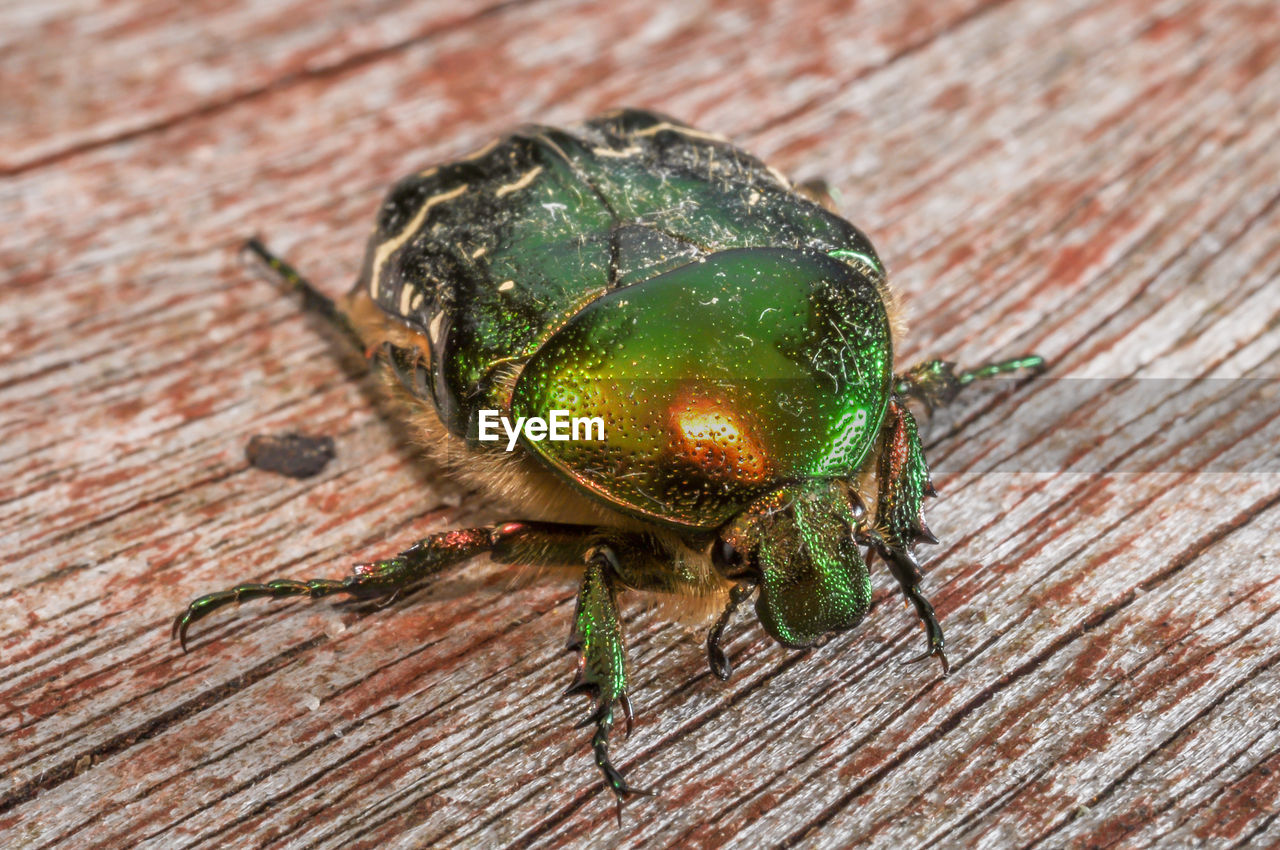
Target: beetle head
[{"x": 797, "y": 544}]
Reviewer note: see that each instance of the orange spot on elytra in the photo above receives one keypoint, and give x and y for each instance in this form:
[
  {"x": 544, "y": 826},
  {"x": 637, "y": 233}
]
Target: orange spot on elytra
[{"x": 711, "y": 435}]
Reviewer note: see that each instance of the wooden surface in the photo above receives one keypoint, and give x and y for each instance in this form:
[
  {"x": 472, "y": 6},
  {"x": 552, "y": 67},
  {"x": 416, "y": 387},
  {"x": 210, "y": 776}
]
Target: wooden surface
[{"x": 1096, "y": 181}]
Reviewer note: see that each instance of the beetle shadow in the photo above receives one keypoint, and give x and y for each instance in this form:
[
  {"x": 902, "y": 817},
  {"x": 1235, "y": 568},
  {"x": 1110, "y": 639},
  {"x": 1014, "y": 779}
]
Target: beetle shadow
[
  {"x": 946, "y": 422},
  {"x": 444, "y": 587},
  {"x": 447, "y": 587},
  {"x": 364, "y": 374}
]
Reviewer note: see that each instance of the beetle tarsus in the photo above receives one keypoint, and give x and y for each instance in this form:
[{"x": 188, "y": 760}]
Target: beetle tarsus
[
  {"x": 366, "y": 581},
  {"x": 902, "y": 564},
  {"x": 1033, "y": 363},
  {"x": 616, "y": 781},
  {"x": 716, "y": 657},
  {"x": 277, "y": 589},
  {"x": 932, "y": 629},
  {"x": 313, "y": 299}
]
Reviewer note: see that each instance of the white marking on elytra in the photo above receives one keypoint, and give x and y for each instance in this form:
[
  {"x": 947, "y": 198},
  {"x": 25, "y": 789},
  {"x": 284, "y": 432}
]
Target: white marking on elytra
[
  {"x": 481, "y": 152},
  {"x": 479, "y": 252},
  {"x": 559, "y": 151},
  {"x": 434, "y": 329},
  {"x": 779, "y": 176},
  {"x": 518, "y": 184},
  {"x": 389, "y": 247},
  {"x": 684, "y": 131},
  {"x": 417, "y": 300},
  {"x": 407, "y": 293},
  {"x": 506, "y": 286},
  {"x": 629, "y": 150}
]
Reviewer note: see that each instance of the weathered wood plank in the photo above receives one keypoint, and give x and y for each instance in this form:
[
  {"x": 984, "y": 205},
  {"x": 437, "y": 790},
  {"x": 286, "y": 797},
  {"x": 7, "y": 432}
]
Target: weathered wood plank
[
  {"x": 1091, "y": 180},
  {"x": 80, "y": 77}
]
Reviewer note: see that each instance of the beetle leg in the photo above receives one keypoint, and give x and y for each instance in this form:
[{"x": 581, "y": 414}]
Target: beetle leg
[
  {"x": 936, "y": 383},
  {"x": 818, "y": 190},
  {"x": 511, "y": 542},
  {"x": 903, "y": 482},
  {"x": 597, "y": 631},
  {"x": 597, "y": 636},
  {"x": 366, "y": 581},
  {"x": 903, "y": 485},
  {"x": 904, "y": 568}
]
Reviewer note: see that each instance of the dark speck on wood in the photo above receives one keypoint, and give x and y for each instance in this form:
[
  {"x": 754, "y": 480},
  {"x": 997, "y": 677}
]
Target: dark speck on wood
[{"x": 295, "y": 455}]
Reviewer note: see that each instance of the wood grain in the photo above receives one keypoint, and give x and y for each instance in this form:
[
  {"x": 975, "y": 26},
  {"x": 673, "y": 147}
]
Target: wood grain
[{"x": 1095, "y": 181}]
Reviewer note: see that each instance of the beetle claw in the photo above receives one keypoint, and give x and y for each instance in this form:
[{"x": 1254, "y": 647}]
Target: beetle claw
[
  {"x": 179, "y": 631},
  {"x": 625, "y": 793},
  {"x": 625, "y": 702},
  {"x": 576, "y": 686},
  {"x": 612, "y": 777},
  {"x": 930, "y": 653}
]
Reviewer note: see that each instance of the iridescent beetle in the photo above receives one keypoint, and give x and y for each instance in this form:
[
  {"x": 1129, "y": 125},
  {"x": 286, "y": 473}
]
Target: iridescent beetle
[{"x": 732, "y": 332}]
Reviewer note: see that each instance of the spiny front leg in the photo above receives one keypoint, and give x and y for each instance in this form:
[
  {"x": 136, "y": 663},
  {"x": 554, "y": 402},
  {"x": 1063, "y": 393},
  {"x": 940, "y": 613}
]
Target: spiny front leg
[
  {"x": 367, "y": 581},
  {"x": 903, "y": 485},
  {"x": 597, "y": 636}
]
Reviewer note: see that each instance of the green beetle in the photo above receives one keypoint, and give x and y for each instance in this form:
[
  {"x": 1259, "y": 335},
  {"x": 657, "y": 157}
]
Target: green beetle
[{"x": 725, "y": 336}]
